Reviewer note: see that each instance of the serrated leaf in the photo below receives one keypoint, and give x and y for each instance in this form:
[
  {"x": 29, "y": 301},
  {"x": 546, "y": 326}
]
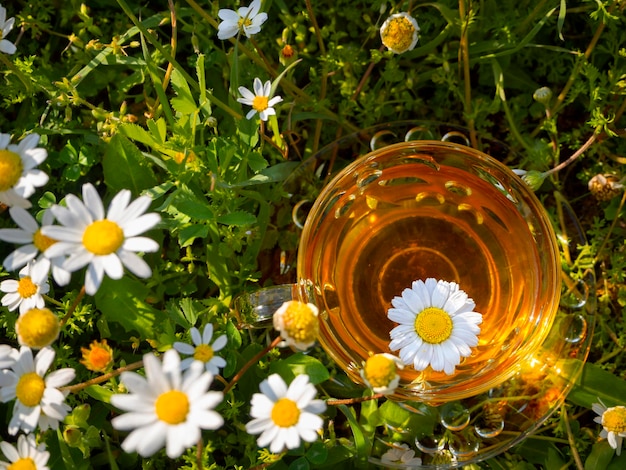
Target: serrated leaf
[
  {"x": 188, "y": 234},
  {"x": 189, "y": 204},
  {"x": 123, "y": 302},
  {"x": 124, "y": 166},
  {"x": 237, "y": 218}
]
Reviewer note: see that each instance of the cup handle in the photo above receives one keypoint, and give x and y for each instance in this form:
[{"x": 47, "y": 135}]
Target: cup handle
[{"x": 256, "y": 309}]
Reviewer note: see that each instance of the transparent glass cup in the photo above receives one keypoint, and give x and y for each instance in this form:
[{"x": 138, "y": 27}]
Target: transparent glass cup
[{"x": 428, "y": 209}]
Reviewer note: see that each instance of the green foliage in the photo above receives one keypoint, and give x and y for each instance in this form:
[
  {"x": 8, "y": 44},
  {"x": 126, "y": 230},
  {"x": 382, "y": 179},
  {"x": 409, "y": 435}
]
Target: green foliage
[{"x": 130, "y": 95}]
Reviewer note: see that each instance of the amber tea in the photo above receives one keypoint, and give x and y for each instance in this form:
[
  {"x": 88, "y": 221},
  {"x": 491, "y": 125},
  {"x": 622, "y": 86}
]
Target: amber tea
[{"x": 419, "y": 210}]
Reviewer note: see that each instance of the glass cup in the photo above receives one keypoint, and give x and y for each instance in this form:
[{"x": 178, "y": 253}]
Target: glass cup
[
  {"x": 430, "y": 209},
  {"x": 416, "y": 209}
]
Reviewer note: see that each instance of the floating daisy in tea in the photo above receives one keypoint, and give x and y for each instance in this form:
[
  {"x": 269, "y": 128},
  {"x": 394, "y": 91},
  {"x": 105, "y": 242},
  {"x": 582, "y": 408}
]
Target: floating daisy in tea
[{"x": 437, "y": 325}]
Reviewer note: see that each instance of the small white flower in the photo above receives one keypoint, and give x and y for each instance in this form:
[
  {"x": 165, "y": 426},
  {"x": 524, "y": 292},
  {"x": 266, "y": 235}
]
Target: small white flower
[
  {"x": 283, "y": 416},
  {"x": 8, "y": 356},
  {"x": 380, "y": 373},
  {"x": 613, "y": 421},
  {"x": 6, "y": 26},
  {"x": 203, "y": 351},
  {"x": 106, "y": 243},
  {"x": 401, "y": 454},
  {"x": 399, "y": 32},
  {"x": 18, "y": 175},
  {"x": 27, "y": 292},
  {"x": 38, "y": 400},
  {"x": 297, "y": 323},
  {"x": 260, "y": 100},
  {"x": 27, "y": 454},
  {"x": 246, "y": 19},
  {"x": 33, "y": 242},
  {"x": 166, "y": 408},
  {"x": 437, "y": 325}
]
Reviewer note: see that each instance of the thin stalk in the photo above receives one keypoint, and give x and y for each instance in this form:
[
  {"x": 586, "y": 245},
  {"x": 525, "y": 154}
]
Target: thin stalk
[
  {"x": 324, "y": 81},
  {"x": 570, "y": 439},
  {"x": 252, "y": 361},
  {"x": 575, "y": 155},
  {"x": 103, "y": 378},
  {"x": 72, "y": 308},
  {"x": 464, "y": 59}
]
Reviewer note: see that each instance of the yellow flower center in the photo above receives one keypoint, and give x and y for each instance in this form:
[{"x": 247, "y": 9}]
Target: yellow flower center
[
  {"x": 172, "y": 407},
  {"x": 203, "y": 353},
  {"x": 25, "y": 463},
  {"x": 260, "y": 103},
  {"x": 11, "y": 168},
  {"x": 614, "y": 419},
  {"x": 433, "y": 325},
  {"x": 380, "y": 370},
  {"x": 26, "y": 287},
  {"x": 285, "y": 413},
  {"x": 41, "y": 242},
  {"x": 29, "y": 389},
  {"x": 37, "y": 328},
  {"x": 398, "y": 34},
  {"x": 103, "y": 237},
  {"x": 98, "y": 357},
  {"x": 244, "y": 22},
  {"x": 300, "y": 322}
]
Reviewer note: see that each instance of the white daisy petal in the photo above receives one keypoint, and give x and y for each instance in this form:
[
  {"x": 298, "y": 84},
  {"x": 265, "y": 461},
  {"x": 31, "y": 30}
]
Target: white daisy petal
[
  {"x": 277, "y": 427},
  {"x": 156, "y": 424},
  {"x": 436, "y": 325}
]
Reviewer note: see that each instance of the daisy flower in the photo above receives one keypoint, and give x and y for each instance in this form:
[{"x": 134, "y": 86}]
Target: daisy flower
[
  {"x": 27, "y": 455},
  {"x": 203, "y": 351},
  {"x": 613, "y": 421},
  {"x": 297, "y": 323},
  {"x": 38, "y": 400},
  {"x": 166, "y": 408},
  {"x": 399, "y": 32},
  {"x": 401, "y": 454},
  {"x": 260, "y": 100},
  {"x": 37, "y": 328},
  {"x": 246, "y": 19},
  {"x": 380, "y": 373},
  {"x": 6, "y": 26},
  {"x": 285, "y": 415},
  {"x": 106, "y": 243},
  {"x": 33, "y": 242},
  {"x": 437, "y": 325},
  {"x": 27, "y": 292},
  {"x": 8, "y": 355},
  {"x": 98, "y": 357},
  {"x": 18, "y": 176}
]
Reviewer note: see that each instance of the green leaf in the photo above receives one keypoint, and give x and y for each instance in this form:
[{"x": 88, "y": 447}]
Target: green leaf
[
  {"x": 183, "y": 102},
  {"x": 596, "y": 383},
  {"x": 317, "y": 454},
  {"x": 123, "y": 302},
  {"x": 125, "y": 167},
  {"x": 237, "y": 218},
  {"x": 418, "y": 423},
  {"x": 188, "y": 234},
  {"x": 300, "y": 463},
  {"x": 361, "y": 441},
  {"x": 189, "y": 204},
  {"x": 600, "y": 456},
  {"x": 299, "y": 364}
]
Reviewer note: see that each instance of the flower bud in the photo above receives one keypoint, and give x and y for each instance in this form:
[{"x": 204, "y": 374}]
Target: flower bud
[{"x": 543, "y": 95}]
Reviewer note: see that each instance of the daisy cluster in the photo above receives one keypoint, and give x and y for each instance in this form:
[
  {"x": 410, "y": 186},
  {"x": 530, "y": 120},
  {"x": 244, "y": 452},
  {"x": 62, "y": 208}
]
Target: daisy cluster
[{"x": 173, "y": 401}]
